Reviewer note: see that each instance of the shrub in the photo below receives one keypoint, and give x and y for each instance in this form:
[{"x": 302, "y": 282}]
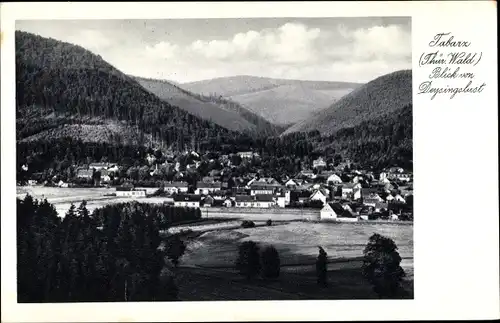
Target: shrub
[
  {"x": 381, "y": 266},
  {"x": 270, "y": 260},
  {"x": 269, "y": 222},
  {"x": 321, "y": 267},
  {"x": 247, "y": 224},
  {"x": 248, "y": 261}
]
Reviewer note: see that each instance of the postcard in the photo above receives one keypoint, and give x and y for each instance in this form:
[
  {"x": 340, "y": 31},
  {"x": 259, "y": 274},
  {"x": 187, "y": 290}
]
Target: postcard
[{"x": 249, "y": 161}]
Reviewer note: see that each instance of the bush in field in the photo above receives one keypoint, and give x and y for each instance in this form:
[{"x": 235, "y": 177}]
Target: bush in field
[
  {"x": 247, "y": 224},
  {"x": 270, "y": 260},
  {"x": 381, "y": 266},
  {"x": 321, "y": 267},
  {"x": 175, "y": 248},
  {"x": 269, "y": 222},
  {"x": 248, "y": 261}
]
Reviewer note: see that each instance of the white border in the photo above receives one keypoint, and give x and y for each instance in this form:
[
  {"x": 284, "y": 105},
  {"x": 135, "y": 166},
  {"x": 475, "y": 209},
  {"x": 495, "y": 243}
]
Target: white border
[{"x": 456, "y": 172}]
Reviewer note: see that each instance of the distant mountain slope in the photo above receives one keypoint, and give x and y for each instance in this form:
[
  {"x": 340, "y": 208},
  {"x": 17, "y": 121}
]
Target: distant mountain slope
[
  {"x": 222, "y": 112},
  {"x": 379, "y": 97},
  {"x": 279, "y": 101},
  {"x": 60, "y": 84}
]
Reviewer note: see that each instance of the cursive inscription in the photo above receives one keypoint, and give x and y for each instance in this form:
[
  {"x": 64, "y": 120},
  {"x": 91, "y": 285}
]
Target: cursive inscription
[{"x": 451, "y": 64}]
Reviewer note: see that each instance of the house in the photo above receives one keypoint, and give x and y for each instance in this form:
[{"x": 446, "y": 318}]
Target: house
[
  {"x": 281, "y": 200},
  {"x": 291, "y": 183},
  {"x": 127, "y": 191},
  {"x": 389, "y": 198},
  {"x": 208, "y": 201},
  {"x": 203, "y": 188},
  {"x": 333, "y": 179},
  {"x": 262, "y": 189},
  {"x": 256, "y": 201},
  {"x": 264, "y": 201},
  {"x": 319, "y": 163},
  {"x": 307, "y": 173},
  {"x": 395, "y": 170},
  {"x": 335, "y": 211},
  {"x": 371, "y": 199},
  {"x": 228, "y": 202},
  {"x": 351, "y": 191},
  {"x": 175, "y": 187},
  {"x": 188, "y": 200},
  {"x": 62, "y": 184},
  {"x": 99, "y": 166},
  {"x": 379, "y": 207},
  {"x": 208, "y": 179},
  {"x": 247, "y": 154},
  {"x": 32, "y": 182},
  {"x": 149, "y": 190},
  {"x": 399, "y": 198},
  {"x": 319, "y": 195},
  {"x": 85, "y": 173},
  {"x": 105, "y": 178},
  {"x": 244, "y": 200}
]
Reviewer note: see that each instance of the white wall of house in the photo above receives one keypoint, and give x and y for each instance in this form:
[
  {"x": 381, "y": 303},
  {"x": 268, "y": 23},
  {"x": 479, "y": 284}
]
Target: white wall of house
[
  {"x": 327, "y": 213},
  {"x": 131, "y": 193},
  {"x": 281, "y": 201},
  {"x": 187, "y": 203},
  {"x": 263, "y": 192}
]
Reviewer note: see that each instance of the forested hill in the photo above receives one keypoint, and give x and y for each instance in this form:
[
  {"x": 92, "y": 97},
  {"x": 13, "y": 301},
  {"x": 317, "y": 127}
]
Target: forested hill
[
  {"x": 223, "y": 112},
  {"x": 377, "y": 98},
  {"x": 60, "y": 86}
]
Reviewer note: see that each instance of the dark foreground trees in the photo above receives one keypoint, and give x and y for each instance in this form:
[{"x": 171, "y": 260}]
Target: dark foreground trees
[
  {"x": 321, "y": 267},
  {"x": 381, "y": 266},
  {"x": 109, "y": 255},
  {"x": 270, "y": 260},
  {"x": 248, "y": 261},
  {"x": 175, "y": 249}
]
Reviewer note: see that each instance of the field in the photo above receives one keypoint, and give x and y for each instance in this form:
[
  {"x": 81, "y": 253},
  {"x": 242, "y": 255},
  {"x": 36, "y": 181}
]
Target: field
[{"x": 207, "y": 268}]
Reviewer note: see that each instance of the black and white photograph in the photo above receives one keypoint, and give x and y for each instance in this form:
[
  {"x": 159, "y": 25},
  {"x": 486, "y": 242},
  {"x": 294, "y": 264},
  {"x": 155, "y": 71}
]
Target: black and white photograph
[
  {"x": 214, "y": 159},
  {"x": 249, "y": 161}
]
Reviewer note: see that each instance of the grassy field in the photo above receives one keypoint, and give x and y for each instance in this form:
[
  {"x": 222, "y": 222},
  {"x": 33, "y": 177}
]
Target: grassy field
[{"x": 207, "y": 272}]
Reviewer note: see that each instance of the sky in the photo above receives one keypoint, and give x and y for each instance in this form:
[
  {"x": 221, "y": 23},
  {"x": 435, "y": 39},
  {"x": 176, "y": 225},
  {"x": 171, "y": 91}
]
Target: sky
[{"x": 187, "y": 50}]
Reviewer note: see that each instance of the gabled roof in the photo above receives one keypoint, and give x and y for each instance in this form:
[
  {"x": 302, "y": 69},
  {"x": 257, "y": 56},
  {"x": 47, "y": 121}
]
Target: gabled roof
[
  {"x": 176, "y": 184},
  {"x": 208, "y": 185},
  {"x": 264, "y": 198},
  {"x": 244, "y": 198}
]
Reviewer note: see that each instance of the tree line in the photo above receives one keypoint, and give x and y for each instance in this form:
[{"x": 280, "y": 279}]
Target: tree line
[{"x": 113, "y": 254}]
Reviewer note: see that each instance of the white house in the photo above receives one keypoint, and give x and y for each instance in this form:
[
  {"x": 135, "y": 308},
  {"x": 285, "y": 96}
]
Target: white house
[
  {"x": 281, "y": 201},
  {"x": 327, "y": 213},
  {"x": 187, "y": 200},
  {"x": 32, "y": 182},
  {"x": 129, "y": 192},
  {"x": 334, "y": 179},
  {"x": 262, "y": 189},
  {"x": 319, "y": 195},
  {"x": 351, "y": 191},
  {"x": 256, "y": 201},
  {"x": 389, "y": 198},
  {"x": 291, "y": 183},
  {"x": 335, "y": 211},
  {"x": 207, "y": 188},
  {"x": 227, "y": 202},
  {"x": 175, "y": 187},
  {"x": 319, "y": 163},
  {"x": 399, "y": 198}
]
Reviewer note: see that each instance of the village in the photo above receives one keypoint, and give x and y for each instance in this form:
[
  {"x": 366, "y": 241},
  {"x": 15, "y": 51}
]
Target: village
[{"x": 339, "y": 190}]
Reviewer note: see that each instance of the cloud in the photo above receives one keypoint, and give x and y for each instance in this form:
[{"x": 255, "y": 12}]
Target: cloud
[
  {"x": 291, "y": 43},
  {"x": 162, "y": 50}
]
